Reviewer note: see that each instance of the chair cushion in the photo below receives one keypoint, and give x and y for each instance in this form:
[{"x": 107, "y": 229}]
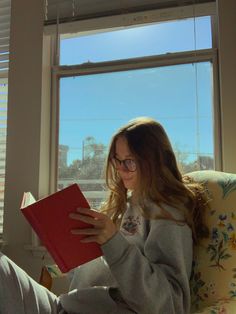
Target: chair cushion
[{"x": 214, "y": 262}]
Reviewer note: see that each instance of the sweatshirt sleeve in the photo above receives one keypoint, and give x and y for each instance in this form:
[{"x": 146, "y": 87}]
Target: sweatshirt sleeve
[
  {"x": 88, "y": 300},
  {"x": 157, "y": 279}
]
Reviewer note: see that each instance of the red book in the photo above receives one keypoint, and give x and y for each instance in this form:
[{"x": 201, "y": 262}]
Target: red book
[{"x": 49, "y": 217}]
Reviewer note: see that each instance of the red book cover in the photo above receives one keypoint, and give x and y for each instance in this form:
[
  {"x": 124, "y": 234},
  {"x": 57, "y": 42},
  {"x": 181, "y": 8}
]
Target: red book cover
[{"x": 49, "y": 217}]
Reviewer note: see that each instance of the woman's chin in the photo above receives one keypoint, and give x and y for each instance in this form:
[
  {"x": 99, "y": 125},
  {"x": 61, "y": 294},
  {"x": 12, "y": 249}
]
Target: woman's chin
[{"x": 128, "y": 185}]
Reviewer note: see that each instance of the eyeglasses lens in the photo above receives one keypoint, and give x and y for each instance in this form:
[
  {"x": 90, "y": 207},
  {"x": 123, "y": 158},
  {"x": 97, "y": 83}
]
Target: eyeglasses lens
[{"x": 129, "y": 164}]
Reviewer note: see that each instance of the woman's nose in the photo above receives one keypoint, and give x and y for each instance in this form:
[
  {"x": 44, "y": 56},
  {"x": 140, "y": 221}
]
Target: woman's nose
[{"x": 121, "y": 167}]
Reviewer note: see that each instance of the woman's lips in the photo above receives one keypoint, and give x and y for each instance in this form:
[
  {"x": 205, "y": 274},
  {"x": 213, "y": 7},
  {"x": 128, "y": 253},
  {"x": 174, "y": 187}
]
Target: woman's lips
[{"x": 126, "y": 179}]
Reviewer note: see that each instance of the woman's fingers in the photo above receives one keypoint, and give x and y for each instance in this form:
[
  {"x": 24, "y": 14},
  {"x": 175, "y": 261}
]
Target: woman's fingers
[
  {"x": 88, "y": 219},
  {"x": 103, "y": 227},
  {"x": 86, "y": 231},
  {"x": 92, "y": 239},
  {"x": 90, "y": 212}
]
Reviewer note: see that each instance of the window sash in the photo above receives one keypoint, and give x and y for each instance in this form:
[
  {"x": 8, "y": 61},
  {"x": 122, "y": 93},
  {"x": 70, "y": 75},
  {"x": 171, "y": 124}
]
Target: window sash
[{"x": 123, "y": 65}]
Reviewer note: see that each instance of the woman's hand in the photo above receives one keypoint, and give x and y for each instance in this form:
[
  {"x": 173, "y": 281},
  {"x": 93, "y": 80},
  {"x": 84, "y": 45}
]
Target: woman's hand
[{"x": 103, "y": 230}]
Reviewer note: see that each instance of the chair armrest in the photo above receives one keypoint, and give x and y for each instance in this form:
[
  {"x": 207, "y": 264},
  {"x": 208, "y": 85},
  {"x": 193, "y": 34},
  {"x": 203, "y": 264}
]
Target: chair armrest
[{"x": 220, "y": 307}]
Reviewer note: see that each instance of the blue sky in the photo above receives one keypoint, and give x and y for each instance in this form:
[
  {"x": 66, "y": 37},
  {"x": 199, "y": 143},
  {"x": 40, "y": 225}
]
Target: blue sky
[{"x": 96, "y": 105}]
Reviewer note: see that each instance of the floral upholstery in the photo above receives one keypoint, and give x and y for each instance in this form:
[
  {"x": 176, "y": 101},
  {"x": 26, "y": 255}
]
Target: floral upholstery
[{"x": 213, "y": 280}]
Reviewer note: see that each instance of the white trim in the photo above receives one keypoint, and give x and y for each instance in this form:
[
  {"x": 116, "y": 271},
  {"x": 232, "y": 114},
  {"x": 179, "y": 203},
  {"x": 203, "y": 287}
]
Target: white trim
[
  {"x": 216, "y": 100},
  {"x": 54, "y": 119},
  {"x": 227, "y": 80},
  {"x": 54, "y": 132},
  {"x": 135, "y": 63},
  {"x": 217, "y": 117},
  {"x": 131, "y": 19}
]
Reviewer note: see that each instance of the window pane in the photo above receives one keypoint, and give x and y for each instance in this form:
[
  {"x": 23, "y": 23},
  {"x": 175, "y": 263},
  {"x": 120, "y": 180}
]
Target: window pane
[
  {"x": 93, "y": 107},
  {"x": 139, "y": 41},
  {"x": 3, "y": 122}
]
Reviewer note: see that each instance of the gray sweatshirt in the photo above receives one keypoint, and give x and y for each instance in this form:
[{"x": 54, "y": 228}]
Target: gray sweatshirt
[{"x": 145, "y": 269}]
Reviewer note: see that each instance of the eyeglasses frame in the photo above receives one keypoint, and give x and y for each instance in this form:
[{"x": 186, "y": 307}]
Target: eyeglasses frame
[{"x": 124, "y": 163}]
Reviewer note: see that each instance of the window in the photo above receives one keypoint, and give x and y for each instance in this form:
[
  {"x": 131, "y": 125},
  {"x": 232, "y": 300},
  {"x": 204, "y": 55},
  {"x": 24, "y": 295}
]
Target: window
[{"x": 163, "y": 70}]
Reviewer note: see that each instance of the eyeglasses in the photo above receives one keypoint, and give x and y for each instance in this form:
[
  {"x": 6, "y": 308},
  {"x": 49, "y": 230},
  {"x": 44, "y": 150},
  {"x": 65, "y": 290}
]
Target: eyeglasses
[{"x": 129, "y": 164}]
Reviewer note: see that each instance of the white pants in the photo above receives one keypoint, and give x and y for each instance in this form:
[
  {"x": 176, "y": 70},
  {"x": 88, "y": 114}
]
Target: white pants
[{"x": 20, "y": 294}]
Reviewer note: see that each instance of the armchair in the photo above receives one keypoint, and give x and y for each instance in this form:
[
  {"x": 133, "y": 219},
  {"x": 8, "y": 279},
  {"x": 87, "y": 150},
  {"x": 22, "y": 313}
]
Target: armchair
[{"x": 213, "y": 280}]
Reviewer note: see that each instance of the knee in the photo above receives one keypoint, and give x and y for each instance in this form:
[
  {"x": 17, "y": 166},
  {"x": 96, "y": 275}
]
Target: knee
[{"x": 6, "y": 266}]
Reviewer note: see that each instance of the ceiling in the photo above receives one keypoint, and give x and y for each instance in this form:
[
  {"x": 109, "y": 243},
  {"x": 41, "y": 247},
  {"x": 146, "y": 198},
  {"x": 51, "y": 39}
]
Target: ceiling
[{"x": 69, "y": 10}]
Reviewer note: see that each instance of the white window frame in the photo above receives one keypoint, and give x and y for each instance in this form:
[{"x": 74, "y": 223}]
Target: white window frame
[
  {"x": 5, "y": 16},
  {"x": 118, "y": 22}
]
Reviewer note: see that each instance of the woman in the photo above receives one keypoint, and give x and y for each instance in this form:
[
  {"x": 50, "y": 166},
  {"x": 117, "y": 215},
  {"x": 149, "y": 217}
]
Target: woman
[{"x": 146, "y": 231}]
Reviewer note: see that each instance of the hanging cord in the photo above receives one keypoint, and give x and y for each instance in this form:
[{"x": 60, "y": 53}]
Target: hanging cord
[
  {"x": 45, "y": 10},
  {"x": 73, "y": 8},
  {"x": 196, "y": 88},
  {"x": 57, "y": 52}
]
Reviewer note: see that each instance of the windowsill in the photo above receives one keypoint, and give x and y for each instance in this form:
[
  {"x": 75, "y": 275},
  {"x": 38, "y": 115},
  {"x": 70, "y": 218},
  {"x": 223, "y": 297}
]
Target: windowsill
[
  {"x": 2, "y": 244},
  {"x": 38, "y": 251}
]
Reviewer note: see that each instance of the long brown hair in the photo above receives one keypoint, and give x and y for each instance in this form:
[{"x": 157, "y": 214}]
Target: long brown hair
[{"x": 159, "y": 179}]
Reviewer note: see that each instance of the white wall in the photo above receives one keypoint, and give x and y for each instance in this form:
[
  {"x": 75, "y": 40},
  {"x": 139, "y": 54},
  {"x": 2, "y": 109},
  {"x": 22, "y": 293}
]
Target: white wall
[
  {"x": 27, "y": 110},
  {"x": 227, "y": 76},
  {"x": 27, "y": 162}
]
